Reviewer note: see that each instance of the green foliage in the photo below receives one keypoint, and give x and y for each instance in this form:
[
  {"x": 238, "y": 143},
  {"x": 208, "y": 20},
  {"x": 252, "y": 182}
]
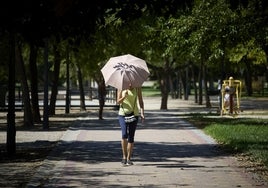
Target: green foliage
[
  {"x": 250, "y": 41},
  {"x": 211, "y": 30},
  {"x": 177, "y": 32},
  {"x": 4, "y": 59},
  {"x": 249, "y": 50}
]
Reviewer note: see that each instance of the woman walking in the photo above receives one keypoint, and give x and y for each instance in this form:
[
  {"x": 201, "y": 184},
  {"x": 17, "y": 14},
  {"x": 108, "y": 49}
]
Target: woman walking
[{"x": 128, "y": 119}]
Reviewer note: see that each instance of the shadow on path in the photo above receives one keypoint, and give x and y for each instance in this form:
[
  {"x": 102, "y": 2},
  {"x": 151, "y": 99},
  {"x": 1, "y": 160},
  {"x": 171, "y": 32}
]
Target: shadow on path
[
  {"x": 94, "y": 160},
  {"x": 104, "y": 151}
]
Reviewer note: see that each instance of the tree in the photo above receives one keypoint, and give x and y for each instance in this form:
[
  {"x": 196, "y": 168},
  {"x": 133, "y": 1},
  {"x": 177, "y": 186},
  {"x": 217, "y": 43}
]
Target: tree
[
  {"x": 146, "y": 37},
  {"x": 208, "y": 41},
  {"x": 160, "y": 55},
  {"x": 4, "y": 51},
  {"x": 55, "y": 80},
  {"x": 249, "y": 53},
  {"x": 203, "y": 33},
  {"x": 39, "y": 20},
  {"x": 28, "y": 118},
  {"x": 81, "y": 88},
  {"x": 11, "y": 127},
  {"x": 250, "y": 48},
  {"x": 34, "y": 83}
]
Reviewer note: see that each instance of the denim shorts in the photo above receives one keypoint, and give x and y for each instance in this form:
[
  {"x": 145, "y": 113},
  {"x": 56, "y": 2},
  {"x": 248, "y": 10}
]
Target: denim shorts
[{"x": 128, "y": 129}]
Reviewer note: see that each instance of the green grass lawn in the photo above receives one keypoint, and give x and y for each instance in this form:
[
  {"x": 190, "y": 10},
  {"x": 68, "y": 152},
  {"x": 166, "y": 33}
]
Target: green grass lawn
[
  {"x": 246, "y": 136},
  {"x": 150, "y": 92}
]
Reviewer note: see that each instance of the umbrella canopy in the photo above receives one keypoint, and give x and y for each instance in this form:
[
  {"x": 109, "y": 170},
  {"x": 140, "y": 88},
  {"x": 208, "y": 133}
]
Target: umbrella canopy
[{"x": 121, "y": 71}]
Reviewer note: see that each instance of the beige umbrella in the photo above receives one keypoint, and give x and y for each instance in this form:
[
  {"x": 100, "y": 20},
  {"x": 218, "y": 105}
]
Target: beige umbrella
[{"x": 120, "y": 71}]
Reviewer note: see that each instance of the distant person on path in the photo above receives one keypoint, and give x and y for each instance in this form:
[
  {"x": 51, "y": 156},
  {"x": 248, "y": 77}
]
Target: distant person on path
[
  {"x": 127, "y": 99},
  {"x": 219, "y": 93},
  {"x": 227, "y": 97}
]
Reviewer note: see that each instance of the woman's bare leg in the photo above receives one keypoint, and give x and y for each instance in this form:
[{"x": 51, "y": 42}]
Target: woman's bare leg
[{"x": 124, "y": 145}]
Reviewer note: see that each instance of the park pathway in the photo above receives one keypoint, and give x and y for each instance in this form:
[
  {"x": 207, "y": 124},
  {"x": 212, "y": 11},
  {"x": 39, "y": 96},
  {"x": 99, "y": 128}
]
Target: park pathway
[{"x": 169, "y": 152}]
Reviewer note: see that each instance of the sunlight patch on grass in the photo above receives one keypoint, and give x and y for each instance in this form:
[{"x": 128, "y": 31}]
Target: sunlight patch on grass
[{"x": 239, "y": 135}]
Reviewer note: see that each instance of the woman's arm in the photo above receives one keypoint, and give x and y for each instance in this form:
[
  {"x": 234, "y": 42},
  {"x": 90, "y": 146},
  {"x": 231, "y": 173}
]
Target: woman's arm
[
  {"x": 141, "y": 103},
  {"x": 120, "y": 96}
]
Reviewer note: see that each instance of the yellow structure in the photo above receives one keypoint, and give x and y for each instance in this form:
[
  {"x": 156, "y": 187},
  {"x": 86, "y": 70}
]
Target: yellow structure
[{"x": 231, "y": 96}]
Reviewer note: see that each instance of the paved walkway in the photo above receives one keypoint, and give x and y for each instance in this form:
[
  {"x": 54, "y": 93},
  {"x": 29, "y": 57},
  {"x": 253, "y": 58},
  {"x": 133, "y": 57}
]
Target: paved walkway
[{"x": 169, "y": 152}]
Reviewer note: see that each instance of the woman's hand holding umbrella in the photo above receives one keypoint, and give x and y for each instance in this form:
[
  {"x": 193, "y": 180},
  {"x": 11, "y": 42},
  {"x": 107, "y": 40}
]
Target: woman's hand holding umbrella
[{"x": 125, "y": 94}]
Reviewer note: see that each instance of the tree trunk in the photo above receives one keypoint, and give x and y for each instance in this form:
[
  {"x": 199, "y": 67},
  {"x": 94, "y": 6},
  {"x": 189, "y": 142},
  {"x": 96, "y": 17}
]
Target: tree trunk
[
  {"x": 200, "y": 84},
  {"x": 28, "y": 118},
  {"x": 102, "y": 95},
  {"x": 67, "y": 99},
  {"x": 186, "y": 97},
  {"x": 34, "y": 84},
  {"x": 164, "y": 101},
  {"x": 248, "y": 78},
  {"x": 81, "y": 89},
  {"x": 208, "y": 104},
  {"x": 177, "y": 85},
  {"x": 172, "y": 90},
  {"x": 55, "y": 80},
  {"x": 45, "y": 114},
  {"x": 194, "y": 84},
  {"x": 11, "y": 128},
  {"x": 184, "y": 83},
  {"x": 180, "y": 85},
  {"x": 164, "y": 86}
]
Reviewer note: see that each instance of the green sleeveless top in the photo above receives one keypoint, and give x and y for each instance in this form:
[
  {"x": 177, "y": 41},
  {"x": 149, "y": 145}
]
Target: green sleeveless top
[{"x": 129, "y": 103}]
